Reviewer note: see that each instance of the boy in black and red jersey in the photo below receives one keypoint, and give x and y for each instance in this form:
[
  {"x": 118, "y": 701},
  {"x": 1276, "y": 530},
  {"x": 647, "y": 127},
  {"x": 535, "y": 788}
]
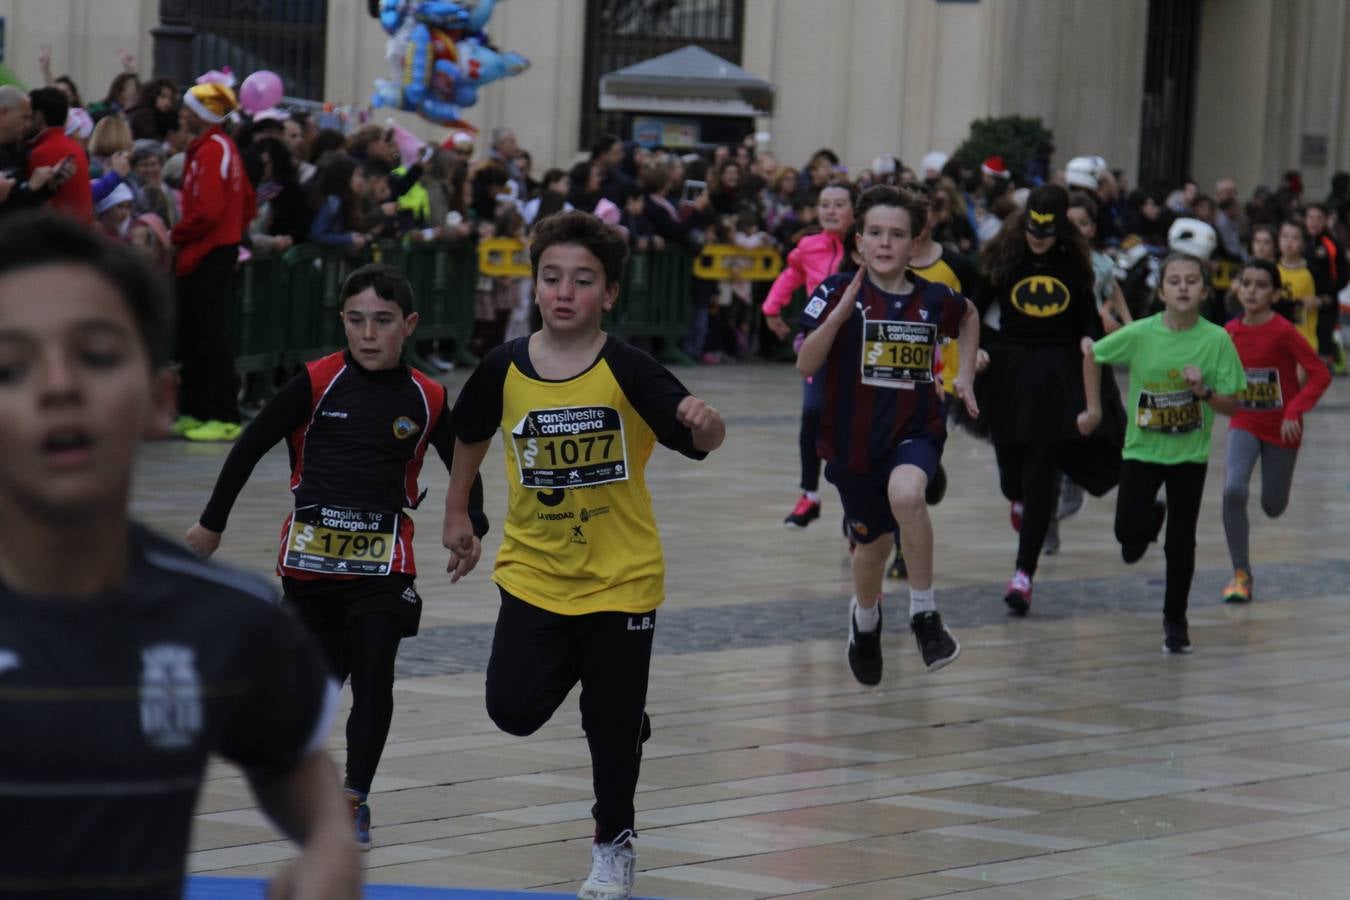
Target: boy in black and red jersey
[
  {"x": 872, "y": 338},
  {"x": 126, "y": 663},
  {"x": 357, "y": 424}
]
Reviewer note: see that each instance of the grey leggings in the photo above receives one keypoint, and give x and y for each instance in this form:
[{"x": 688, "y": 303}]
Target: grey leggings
[{"x": 1277, "y": 474}]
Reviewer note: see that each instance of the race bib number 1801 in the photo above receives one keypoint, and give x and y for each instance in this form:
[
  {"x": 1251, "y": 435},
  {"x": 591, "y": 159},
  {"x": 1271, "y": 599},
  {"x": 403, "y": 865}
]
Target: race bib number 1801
[
  {"x": 568, "y": 447},
  {"x": 898, "y": 354}
]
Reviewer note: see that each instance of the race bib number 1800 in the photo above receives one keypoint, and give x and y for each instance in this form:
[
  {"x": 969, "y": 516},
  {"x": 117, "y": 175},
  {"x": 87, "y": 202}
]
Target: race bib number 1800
[
  {"x": 898, "y": 354},
  {"x": 569, "y": 447},
  {"x": 1173, "y": 412},
  {"x": 335, "y": 540}
]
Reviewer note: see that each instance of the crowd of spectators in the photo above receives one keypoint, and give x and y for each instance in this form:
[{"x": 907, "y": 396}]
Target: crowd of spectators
[{"x": 122, "y": 164}]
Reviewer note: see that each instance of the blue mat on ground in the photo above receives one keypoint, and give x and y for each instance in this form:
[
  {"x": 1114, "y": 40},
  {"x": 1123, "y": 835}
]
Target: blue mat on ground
[{"x": 201, "y": 887}]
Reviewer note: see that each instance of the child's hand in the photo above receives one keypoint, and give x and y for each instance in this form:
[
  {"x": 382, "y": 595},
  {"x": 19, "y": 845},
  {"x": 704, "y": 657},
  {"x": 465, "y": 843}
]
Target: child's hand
[
  {"x": 850, "y": 297},
  {"x": 981, "y": 360},
  {"x": 1291, "y": 430},
  {"x": 1088, "y": 420},
  {"x": 202, "y": 540},
  {"x": 1194, "y": 379},
  {"x": 703, "y": 421},
  {"x": 965, "y": 391},
  {"x": 457, "y": 536},
  {"x": 776, "y": 324},
  {"x": 695, "y": 414}
]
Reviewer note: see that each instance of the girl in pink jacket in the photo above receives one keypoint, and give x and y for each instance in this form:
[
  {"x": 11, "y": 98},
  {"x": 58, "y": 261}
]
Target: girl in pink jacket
[{"x": 815, "y": 258}]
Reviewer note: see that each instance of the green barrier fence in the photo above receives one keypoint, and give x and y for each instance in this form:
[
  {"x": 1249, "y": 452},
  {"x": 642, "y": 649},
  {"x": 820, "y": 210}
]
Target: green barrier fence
[{"x": 285, "y": 309}]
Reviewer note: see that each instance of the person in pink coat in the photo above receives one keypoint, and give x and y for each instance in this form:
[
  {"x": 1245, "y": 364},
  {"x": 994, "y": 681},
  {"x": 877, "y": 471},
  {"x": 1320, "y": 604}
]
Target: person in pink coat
[{"x": 815, "y": 258}]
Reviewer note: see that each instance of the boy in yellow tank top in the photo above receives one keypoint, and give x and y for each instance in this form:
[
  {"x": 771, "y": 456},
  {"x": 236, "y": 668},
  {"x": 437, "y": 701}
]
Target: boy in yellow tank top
[{"x": 580, "y": 568}]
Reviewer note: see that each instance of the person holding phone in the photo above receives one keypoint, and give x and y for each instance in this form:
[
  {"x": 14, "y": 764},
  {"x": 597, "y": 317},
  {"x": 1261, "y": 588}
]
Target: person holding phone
[{"x": 51, "y": 146}]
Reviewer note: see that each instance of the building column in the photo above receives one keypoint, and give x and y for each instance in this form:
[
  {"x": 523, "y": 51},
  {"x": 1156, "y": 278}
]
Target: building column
[{"x": 173, "y": 42}]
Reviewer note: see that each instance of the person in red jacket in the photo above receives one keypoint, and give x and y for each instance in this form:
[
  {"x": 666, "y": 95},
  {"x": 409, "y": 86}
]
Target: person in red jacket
[
  {"x": 52, "y": 147},
  {"x": 218, "y": 204},
  {"x": 1268, "y": 423}
]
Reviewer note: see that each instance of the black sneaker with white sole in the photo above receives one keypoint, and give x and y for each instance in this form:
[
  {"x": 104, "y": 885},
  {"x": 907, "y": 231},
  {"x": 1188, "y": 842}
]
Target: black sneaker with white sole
[
  {"x": 936, "y": 644},
  {"x": 864, "y": 650},
  {"x": 1176, "y": 638}
]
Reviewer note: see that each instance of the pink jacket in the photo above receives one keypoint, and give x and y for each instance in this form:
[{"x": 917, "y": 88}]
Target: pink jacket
[{"x": 815, "y": 258}]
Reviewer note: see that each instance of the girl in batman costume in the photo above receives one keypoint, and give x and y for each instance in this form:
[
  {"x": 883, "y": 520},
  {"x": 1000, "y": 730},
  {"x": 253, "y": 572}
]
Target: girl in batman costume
[{"x": 1038, "y": 271}]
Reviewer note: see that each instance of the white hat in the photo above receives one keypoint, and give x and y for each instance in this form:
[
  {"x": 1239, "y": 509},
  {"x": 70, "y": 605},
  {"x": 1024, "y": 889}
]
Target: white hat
[
  {"x": 120, "y": 194},
  {"x": 885, "y": 165},
  {"x": 1085, "y": 172},
  {"x": 934, "y": 161},
  {"x": 1192, "y": 236}
]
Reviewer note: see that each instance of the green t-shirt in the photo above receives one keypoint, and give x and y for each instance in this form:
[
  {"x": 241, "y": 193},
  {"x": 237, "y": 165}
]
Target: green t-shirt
[{"x": 1167, "y": 423}]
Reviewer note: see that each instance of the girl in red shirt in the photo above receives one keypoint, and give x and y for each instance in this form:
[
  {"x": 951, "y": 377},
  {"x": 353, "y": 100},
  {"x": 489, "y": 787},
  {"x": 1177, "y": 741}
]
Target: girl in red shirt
[{"x": 1268, "y": 423}]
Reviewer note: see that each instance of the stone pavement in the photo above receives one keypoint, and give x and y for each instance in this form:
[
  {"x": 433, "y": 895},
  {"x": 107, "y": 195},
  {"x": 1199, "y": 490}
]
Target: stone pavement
[{"x": 1060, "y": 756}]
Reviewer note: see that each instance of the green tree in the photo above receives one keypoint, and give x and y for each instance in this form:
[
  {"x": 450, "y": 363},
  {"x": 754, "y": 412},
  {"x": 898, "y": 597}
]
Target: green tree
[{"x": 1015, "y": 138}]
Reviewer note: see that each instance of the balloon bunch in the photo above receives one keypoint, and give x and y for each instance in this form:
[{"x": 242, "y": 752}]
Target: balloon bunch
[{"x": 439, "y": 57}]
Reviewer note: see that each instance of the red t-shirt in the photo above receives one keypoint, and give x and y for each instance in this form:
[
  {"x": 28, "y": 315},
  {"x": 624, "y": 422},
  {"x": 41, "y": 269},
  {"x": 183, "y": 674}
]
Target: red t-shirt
[{"x": 1271, "y": 354}]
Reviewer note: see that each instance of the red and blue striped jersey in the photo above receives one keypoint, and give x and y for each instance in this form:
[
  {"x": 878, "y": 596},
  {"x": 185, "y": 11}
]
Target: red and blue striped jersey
[{"x": 878, "y": 378}]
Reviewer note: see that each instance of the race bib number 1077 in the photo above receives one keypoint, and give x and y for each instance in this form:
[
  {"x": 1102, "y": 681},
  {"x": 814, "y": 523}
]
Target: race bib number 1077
[{"x": 568, "y": 447}]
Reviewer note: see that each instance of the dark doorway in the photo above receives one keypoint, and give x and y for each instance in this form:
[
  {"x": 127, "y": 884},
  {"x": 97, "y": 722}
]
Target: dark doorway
[
  {"x": 285, "y": 36},
  {"x": 1169, "y": 93}
]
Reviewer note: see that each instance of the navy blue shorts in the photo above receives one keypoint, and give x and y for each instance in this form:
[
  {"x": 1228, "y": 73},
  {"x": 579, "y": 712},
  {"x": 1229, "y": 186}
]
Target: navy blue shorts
[{"x": 867, "y": 506}]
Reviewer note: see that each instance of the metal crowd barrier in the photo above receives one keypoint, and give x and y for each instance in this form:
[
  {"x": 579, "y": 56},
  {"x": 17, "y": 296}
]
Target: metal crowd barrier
[{"x": 285, "y": 310}]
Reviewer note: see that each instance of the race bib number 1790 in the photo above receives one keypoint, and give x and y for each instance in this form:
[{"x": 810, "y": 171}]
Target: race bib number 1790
[{"x": 335, "y": 540}]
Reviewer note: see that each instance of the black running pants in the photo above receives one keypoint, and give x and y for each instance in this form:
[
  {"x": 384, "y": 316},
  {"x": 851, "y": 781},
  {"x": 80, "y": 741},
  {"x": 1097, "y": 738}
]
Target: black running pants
[
  {"x": 208, "y": 389},
  {"x": 364, "y": 649},
  {"x": 1136, "y": 522},
  {"x": 538, "y": 656},
  {"x": 1030, "y": 473}
]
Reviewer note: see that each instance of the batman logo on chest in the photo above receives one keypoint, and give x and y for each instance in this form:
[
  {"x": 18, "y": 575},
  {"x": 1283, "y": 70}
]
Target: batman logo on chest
[{"x": 1040, "y": 296}]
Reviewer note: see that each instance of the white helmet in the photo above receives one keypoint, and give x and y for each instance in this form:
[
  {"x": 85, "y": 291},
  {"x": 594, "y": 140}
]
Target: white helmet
[
  {"x": 1192, "y": 236},
  {"x": 1085, "y": 172}
]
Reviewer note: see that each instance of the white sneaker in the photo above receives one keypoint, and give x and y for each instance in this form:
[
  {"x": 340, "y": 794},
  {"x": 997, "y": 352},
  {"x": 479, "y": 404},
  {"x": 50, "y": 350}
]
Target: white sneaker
[{"x": 612, "y": 870}]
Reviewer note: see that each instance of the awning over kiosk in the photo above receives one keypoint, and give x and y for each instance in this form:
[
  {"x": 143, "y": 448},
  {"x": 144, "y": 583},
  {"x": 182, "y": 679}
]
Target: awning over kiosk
[{"x": 688, "y": 81}]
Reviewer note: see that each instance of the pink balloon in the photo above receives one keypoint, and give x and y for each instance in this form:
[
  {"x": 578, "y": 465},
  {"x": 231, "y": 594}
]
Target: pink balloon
[{"x": 261, "y": 90}]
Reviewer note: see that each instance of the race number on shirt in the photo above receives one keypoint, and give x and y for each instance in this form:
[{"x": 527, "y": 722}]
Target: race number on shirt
[
  {"x": 1262, "y": 391},
  {"x": 1171, "y": 412},
  {"x": 335, "y": 540},
  {"x": 898, "y": 354},
  {"x": 569, "y": 447}
]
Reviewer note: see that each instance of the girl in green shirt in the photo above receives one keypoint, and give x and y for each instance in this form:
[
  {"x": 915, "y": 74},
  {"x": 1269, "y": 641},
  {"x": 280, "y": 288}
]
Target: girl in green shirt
[{"x": 1183, "y": 369}]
